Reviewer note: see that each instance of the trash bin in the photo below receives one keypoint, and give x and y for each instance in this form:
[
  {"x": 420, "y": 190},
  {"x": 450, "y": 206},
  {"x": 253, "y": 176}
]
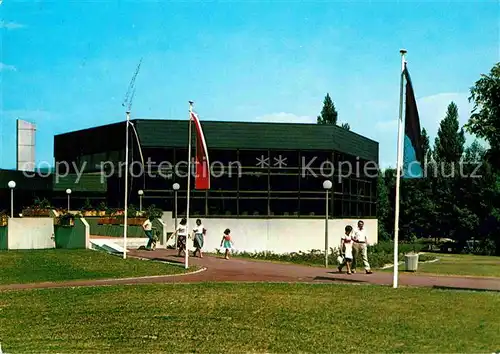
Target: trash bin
[{"x": 411, "y": 262}]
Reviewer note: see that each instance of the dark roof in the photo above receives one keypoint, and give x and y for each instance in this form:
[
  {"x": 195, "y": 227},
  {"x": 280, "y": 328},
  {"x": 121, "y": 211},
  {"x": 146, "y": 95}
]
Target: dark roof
[{"x": 220, "y": 135}]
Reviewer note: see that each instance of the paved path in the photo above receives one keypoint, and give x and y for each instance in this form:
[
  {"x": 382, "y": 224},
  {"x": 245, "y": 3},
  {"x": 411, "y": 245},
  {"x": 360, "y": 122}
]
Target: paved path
[{"x": 215, "y": 269}]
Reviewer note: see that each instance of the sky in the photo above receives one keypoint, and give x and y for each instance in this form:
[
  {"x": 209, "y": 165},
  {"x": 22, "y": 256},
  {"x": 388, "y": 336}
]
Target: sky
[{"x": 67, "y": 65}]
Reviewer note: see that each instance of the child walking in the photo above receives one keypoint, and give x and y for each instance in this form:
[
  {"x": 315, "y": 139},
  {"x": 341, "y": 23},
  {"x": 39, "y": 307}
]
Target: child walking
[
  {"x": 226, "y": 242},
  {"x": 346, "y": 244}
]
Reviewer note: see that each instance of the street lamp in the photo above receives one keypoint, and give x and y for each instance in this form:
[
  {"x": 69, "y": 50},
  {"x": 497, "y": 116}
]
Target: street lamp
[
  {"x": 141, "y": 193},
  {"x": 175, "y": 187},
  {"x": 68, "y": 192},
  {"x": 12, "y": 185},
  {"x": 327, "y": 185}
]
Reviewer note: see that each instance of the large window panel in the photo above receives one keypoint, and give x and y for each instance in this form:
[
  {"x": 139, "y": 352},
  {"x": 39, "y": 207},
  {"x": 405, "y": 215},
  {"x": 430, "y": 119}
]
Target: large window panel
[
  {"x": 313, "y": 206},
  {"x": 226, "y": 206},
  {"x": 284, "y": 206},
  {"x": 252, "y": 206},
  {"x": 284, "y": 182},
  {"x": 254, "y": 159},
  {"x": 253, "y": 181},
  {"x": 284, "y": 159},
  {"x": 224, "y": 182},
  {"x": 310, "y": 183},
  {"x": 315, "y": 159}
]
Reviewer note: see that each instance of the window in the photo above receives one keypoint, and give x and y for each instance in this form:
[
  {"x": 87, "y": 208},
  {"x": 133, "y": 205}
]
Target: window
[
  {"x": 254, "y": 159},
  {"x": 284, "y": 159},
  {"x": 249, "y": 206},
  {"x": 284, "y": 182},
  {"x": 310, "y": 183},
  {"x": 346, "y": 208},
  {"x": 253, "y": 181},
  {"x": 313, "y": 206},
  {"x": 224, "y": 182},
  {"x": 337, "y": 207},
  {"x": 283, "y": 206},
  {"x": 227, "y": 206}
]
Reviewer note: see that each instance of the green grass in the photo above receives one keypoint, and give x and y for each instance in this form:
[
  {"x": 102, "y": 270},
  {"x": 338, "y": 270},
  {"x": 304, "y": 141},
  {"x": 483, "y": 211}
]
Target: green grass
[
  {"x": 58, "y": 265},
  {"x": 257, "y": 318},
  {"x": 463, "y": 264}
]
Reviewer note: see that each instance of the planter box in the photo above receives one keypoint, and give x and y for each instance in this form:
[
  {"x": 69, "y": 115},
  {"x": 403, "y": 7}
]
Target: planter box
[
  {"x": 4, "y": 220},
  {"x": 30, "y": 212},
  {"x": 136, "y": 221}
]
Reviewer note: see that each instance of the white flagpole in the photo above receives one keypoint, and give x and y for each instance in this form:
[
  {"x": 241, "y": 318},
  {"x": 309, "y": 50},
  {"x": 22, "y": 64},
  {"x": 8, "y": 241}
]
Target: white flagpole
[
  {"x": 125, "y": 214},
  {"x": 188, "y": 197},
  {"x": 399, "y": 164}
]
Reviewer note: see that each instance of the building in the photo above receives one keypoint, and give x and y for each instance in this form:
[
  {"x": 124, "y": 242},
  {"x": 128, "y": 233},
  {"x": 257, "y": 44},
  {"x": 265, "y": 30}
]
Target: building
[{"x": 258, "y": 169}]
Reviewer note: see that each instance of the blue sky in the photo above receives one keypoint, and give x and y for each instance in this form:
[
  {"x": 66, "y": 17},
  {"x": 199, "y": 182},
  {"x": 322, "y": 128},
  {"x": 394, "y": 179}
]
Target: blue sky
[{"x": 67, "y": 65}]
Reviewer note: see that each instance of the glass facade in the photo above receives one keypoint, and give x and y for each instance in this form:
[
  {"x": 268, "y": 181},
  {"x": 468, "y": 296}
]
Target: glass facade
[{"x": 257, "y": 183}]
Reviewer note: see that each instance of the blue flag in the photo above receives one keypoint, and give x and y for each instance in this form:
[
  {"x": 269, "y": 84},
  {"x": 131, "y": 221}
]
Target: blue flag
[{"x": 413, "y": 152}]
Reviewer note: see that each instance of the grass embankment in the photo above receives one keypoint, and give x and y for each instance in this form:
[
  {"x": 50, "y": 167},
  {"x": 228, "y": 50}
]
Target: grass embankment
[
  {"x": 257, "y": 318},
  {"x": 31, "y": 266}
]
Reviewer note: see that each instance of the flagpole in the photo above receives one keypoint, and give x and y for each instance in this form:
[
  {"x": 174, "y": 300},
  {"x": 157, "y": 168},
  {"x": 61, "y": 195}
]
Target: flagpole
[
  {"x": 399, "y": 164},
  {"x": 125, "y": 213},
  {"x": 188, "y": 197}
]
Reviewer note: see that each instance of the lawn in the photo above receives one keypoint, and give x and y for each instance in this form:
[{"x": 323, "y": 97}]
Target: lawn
[
  {"x": 257, "y": 318},
  {"x": 30, "y": 266},
  {"x": 463, "y": 264}
]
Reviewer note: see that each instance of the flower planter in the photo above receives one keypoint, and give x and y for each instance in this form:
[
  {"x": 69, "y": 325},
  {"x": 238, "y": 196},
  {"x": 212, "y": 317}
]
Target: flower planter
[
  {"x": 4, "y": 220},
  {"x": 101, "y": 213},
  {"x": 136, "y": 221},
  {"x": 30, "y": 212}
]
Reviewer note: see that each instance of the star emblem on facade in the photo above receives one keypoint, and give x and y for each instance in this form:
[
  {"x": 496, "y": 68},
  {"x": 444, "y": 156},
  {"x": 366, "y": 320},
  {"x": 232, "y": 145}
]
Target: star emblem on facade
[
  {"x": 262, "y": 161},
  {"x": 280, "y": 161}
]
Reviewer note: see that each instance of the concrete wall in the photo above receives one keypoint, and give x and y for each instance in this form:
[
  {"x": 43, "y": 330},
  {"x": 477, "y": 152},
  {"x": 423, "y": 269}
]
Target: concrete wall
[
  {"x": 113, "y": 230},
  {"x": 76, "y": 236},
  {"x": 3, "y": 238},
  {"x": 276, "y": 235},
  {"x": 30, "y": 233}
]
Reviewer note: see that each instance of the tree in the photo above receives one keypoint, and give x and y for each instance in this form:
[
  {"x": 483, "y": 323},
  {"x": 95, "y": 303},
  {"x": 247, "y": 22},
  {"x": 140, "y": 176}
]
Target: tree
[
  {"x": 450, "y": 139},
  {"x": 383, "y": 208},
  {"x": 345, "y": 126},
  {"x": 484, "y": 121},
  {"x": 426, "y": 144},
  {"x": 328, "y": 114}
]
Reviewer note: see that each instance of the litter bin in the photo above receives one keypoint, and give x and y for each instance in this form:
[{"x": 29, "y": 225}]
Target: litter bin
[{"x": 411, "y": 262}]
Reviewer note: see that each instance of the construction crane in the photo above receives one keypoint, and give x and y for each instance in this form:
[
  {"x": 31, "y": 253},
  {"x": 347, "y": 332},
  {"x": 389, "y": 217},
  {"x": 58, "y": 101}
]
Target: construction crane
[{"x": 129, "y": 96}]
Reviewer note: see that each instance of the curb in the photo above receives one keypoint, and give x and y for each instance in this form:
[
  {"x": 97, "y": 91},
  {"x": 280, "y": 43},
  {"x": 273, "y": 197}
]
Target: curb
[{"x": 94, "y": 282}]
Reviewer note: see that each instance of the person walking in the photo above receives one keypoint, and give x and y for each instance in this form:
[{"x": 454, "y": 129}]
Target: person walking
[
  {"x": 346, "y": 245},
  {"x": 199, "y": 237},
  {"x": 181, "y": 234},
  {"x": 361, "y": 243},
  {"x": 147, "y": 226}
]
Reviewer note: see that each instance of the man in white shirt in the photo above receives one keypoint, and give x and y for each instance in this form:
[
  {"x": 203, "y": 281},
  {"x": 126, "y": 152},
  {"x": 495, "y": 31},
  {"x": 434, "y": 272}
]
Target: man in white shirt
[
  {"x": 361, "y": 243},
  {"x": 147, "y": 226}
]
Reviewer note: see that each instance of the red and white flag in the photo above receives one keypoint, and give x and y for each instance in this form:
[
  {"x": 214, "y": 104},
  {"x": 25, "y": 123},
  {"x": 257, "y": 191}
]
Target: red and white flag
[{"x": 202, "y": 177}]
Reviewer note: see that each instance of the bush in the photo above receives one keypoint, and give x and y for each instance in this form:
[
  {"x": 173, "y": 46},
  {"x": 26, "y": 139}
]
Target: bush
[{"x": 379, "y": 255}]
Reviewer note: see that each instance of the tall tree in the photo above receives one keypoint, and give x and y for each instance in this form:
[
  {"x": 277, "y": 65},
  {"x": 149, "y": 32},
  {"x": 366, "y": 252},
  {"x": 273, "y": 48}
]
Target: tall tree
[
  {"x": 450, "y": 139},
  {"x": 383, "y": 208},
  {"x": 426, "y": 144},
  {"x": 328, "y": 114},
  {"x": 484, "y": 121}
]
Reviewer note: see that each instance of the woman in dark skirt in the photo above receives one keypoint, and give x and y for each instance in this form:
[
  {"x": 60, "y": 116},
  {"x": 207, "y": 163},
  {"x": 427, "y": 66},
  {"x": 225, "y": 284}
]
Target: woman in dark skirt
[
  {"x": 181, "y": 234},
  {"x": 199, "y": 237}
]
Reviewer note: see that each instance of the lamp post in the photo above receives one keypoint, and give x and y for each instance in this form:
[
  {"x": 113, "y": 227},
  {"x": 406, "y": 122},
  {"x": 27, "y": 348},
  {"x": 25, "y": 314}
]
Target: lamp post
[
  {"x": 68, "y": 192},
  {"x": 327, "y": 185},
  {"x": 141, "y": 193},
  {"x": 12, "y": 185},
  {"x": 175, "y": 187}
]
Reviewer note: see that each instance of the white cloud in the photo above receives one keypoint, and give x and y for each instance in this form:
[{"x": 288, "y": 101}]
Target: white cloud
[
  {"x": 5, "y": 67},
  {"x": 283, "y": 117},
  {"x": 10, "y": 25}
]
